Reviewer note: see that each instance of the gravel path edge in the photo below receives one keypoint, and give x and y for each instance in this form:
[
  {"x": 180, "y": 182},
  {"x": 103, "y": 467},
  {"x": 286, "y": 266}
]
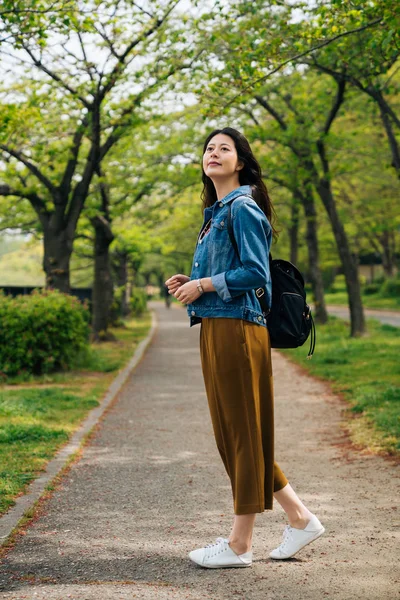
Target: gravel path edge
[{"x": 10, "y": 521}]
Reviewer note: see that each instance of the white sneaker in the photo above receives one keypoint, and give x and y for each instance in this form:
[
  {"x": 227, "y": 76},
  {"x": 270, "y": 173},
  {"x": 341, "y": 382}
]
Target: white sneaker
[
  {"x": 295, "y": 539},
  {"x": 220, "y": 555}
]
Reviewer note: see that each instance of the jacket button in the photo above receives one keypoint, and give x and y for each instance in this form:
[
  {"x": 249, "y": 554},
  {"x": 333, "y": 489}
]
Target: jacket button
[
  {"x": 196, "y": 264},
  {"x": 222, "y": 222},
  {"x": 193, "y": 313},
  {"x": 259, "y": 318},
  {"x": 221, "y": 203}
]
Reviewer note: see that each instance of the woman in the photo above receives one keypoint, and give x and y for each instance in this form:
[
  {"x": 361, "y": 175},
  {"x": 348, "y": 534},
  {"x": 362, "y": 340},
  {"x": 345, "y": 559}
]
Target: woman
[{"x": 235, "y": 348}]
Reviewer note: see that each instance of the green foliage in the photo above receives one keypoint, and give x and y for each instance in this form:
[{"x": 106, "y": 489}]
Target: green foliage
[
  {"x": 23, "y": 265},
  {"x": 116, "y": 306},
  {"x": 138, "y": 301},
  {"x": 391, "y": 288},
  {"x": 41, "y": 332},
  {"x": 22, "y": 19},
  {"x": 371, "y": 288},
  {"x": 339, "y": 284},
  {"x": 153, "y": 172}
]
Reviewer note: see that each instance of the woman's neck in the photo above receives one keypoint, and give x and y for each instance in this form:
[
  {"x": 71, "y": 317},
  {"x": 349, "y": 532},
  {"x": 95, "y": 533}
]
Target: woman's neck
[{"x": 225, "y": 187}]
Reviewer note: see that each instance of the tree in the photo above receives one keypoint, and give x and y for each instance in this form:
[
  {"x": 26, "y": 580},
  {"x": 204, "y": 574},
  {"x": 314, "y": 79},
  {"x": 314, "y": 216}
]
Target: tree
[
  {"x": 103, "y": 72},
  {"x": 368, "y": 60}
]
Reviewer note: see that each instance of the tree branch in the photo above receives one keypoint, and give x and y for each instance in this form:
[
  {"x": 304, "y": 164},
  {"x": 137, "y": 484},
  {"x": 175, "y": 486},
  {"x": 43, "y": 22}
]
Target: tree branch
[
  {"x": 300, "y": 55},
  {"x": 65, "y": 186},
  {"x": 122, "y": 57},
  {"x": 92, "y": 162},
  {"x": 36, "y": 11},
  {"x": 152, "y": 16},
  {"x": 336, "y": 105},
  {"x": 109, "y": 43},
  {"x": 85, "y": 59},
  {"x": 117, "y": 130},
  {"x": 265, "y": 104},
  {"x": 249, "y": 112},
  {"x": 34, "y": 170},
  {"x": 38, "y": 63},
  {"x": 37, "y": 203}
]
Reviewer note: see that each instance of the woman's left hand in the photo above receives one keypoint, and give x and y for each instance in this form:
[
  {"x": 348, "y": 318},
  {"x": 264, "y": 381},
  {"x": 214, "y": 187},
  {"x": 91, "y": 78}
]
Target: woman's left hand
[{"x": 188, "y": 292}]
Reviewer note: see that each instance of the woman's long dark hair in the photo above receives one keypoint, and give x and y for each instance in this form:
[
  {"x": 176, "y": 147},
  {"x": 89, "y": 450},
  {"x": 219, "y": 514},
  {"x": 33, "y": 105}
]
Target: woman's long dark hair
[{"x": 250, "y": 174}]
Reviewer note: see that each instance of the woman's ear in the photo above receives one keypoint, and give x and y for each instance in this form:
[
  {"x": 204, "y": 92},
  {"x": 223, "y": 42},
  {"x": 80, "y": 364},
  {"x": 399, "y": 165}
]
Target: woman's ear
[{"x": 240, "y": 166}]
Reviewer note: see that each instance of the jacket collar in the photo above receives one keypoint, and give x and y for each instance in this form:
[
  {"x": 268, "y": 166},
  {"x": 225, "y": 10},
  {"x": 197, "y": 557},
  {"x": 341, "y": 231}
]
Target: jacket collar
[{"x": 239, "y": 191}]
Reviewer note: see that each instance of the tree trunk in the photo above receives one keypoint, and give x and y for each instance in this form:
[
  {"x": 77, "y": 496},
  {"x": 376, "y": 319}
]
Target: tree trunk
[
  {"x": 294, "y": 231},
  {"x": 103, "y": 285},
  {"x": 388, "y": 254},
  {"x": 393, "y": 144},
  {"x": 317, "y": 285},
  {"x": 56, "y": 260},
  {"x": 349, "y": 263}
]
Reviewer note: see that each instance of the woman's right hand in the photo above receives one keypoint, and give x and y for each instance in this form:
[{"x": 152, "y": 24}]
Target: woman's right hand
[{"x": 175, "y": 282}]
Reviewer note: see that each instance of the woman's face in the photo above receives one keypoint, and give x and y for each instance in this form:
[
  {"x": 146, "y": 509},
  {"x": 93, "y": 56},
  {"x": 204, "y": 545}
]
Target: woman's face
[{"x": 220, "y": 157}]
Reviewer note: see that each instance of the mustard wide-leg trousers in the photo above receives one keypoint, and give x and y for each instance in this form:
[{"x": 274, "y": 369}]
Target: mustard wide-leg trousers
[{"x": 237, "y": 370}]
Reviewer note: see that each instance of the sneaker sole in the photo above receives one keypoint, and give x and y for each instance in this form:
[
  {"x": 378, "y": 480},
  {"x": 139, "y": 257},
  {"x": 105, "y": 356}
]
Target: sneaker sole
[
  {"x": 221, "y": 566},
  {"x": 317, "y": 535},
  {"x": 240, "y": 565}
]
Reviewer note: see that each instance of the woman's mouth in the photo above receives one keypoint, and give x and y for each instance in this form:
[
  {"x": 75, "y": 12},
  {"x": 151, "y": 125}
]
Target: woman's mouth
[{"x": 210, "y": 164}]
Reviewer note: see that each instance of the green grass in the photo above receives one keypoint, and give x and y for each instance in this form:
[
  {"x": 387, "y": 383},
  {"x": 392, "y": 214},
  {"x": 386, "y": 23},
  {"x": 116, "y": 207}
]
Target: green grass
[
  {"x": 369, "y": 300},
  {"x": 39, "y": 414},
  {"x": 366, "y": 370}
]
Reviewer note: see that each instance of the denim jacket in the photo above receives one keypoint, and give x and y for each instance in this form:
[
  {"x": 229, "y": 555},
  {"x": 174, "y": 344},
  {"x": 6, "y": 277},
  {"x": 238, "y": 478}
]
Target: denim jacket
[{"x": 215, "y": 257}]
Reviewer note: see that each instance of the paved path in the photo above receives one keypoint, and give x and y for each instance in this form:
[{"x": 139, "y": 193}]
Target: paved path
[
  {"x": 151, "y": 486},
  {"x": 389, "y": 317}
]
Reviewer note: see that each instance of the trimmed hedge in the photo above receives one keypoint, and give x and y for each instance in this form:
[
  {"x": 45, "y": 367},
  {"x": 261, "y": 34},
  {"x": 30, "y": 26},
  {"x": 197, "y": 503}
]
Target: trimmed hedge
[{"x": 41, "y": 332}]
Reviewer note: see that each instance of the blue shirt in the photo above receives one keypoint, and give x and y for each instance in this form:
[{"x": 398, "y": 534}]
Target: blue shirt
[{"x": 234, "y": 280}]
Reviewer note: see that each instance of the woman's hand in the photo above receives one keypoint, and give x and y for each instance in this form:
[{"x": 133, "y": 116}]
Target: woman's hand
[
  {"x": 188, "y": 292},
  {"x": 175, "y": 282}
]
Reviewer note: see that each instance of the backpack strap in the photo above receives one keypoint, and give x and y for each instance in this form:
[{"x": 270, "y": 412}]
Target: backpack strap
[{"x": 260, "y": 292}]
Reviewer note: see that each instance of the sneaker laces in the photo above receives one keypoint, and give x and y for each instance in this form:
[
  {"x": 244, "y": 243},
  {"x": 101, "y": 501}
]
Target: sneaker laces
[
  {"x": 287, "y": 536},
  {"x": 214, "y": 549}
]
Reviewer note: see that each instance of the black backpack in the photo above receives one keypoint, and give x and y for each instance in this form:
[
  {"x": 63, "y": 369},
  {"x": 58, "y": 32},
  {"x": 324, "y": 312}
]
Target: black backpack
[{"x": 289, "y": 319}]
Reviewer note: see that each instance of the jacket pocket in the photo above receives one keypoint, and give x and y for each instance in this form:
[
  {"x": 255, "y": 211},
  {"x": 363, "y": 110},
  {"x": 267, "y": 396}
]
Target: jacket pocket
[{"x": 220, "y": 224}]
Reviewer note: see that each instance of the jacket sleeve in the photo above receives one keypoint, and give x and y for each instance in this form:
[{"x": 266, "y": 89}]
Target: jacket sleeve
[{"x": 253, "y": 235}]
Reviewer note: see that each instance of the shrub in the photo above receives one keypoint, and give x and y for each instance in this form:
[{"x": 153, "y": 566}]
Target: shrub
[
  {"x": 41, "y": 332},
  {"x": 379, "y": 279},
  {"x": 138, "y": 301},
  {"x": 338, "y": 285},
  {"x": 371, "y": 288},
  {"x": 391, "y": 288},
  {"x": 363, "y": 279},
  {"x": 340, "y": 281}
]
